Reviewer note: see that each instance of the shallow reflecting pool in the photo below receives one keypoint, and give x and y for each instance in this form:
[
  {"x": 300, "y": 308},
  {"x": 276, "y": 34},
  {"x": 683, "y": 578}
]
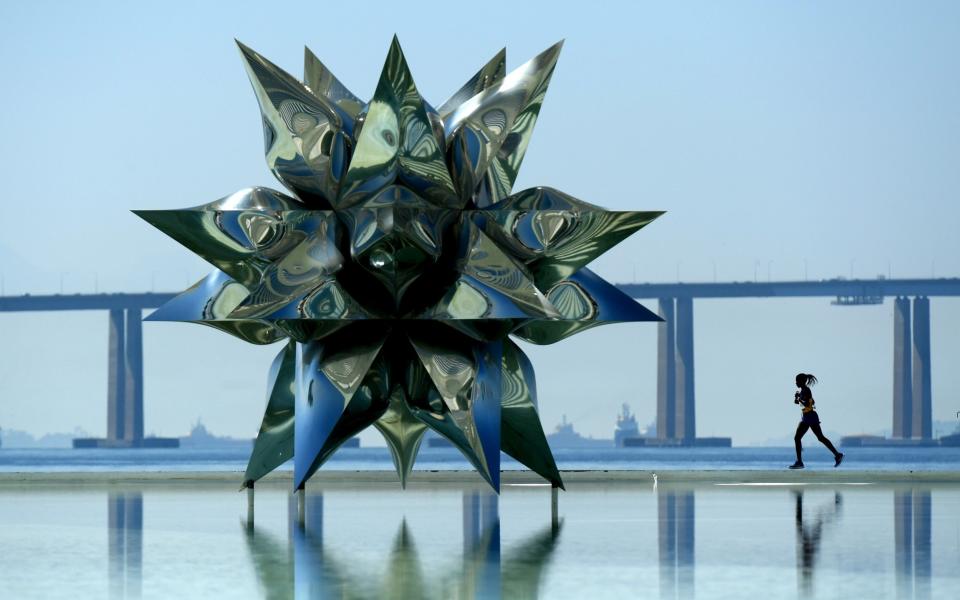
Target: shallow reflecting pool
[{"x": 619, "y": 541}]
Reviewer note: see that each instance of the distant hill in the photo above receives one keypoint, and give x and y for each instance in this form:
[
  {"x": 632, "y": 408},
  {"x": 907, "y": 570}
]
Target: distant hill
[{"x": 14, "y": 438}]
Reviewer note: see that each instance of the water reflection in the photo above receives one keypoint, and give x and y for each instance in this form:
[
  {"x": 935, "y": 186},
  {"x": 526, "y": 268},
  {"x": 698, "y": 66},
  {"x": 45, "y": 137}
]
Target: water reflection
[
  {"x": 810, "y": 529},
  {"x": 305, "y": 567},
  {"x": 911, "y": 529},
  {"x": 675, "y": 541},
  {"x": 417, "y": 559},
  {"x": 125, "y": 543}
]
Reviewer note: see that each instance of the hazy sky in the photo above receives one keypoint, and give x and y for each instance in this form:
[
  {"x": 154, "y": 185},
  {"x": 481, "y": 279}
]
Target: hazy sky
[{"x": 784, "y": 140}]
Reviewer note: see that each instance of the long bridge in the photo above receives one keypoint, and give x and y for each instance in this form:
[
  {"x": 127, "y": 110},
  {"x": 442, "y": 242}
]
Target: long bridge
[{"x": 676, "y": 402}]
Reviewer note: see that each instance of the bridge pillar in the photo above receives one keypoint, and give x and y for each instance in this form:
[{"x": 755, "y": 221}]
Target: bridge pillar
[
  {"x": 666, "y": 372},
  {"x": 685, "y": 425},
  {"x": 116, "y": 378},
  {"x": 902, "y": 370},
  {"x": 922, "y": 418},
  {"x": 133, "y": 391}
]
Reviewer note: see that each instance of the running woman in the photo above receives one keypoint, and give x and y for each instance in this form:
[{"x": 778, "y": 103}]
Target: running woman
[{"x": 809, "y": 420}]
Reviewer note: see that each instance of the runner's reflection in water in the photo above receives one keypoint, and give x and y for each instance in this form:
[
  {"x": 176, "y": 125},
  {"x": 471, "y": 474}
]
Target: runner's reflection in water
[
  {"x": 125, "y": 543},
  {"x": 809, "y": 536},
  {"x": 307, "y": 568},
  {"x": 911, "y": 530},
  {"x": 675, "y": 540}
]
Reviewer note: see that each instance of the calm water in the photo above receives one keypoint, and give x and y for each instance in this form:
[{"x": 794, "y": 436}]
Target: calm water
[
  {"x": 815, "y": 456},
  {"x": 616, "y": 541}
]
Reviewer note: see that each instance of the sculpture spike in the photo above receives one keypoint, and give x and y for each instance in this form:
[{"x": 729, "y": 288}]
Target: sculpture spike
[
  {"x": 403, "y": 433},
  {"x": 329, "y": 374},
  {"x": 521, "y": 433},
  {"x": 274, "y": 443},
  {"x": 584, "y": 301},
  {"x": 209, "y": 302},
  {"x": 467, "y": 377},
  {"x": 488, "y": 75},
  {"x": 491, "y": 130},
  {"x": 322, "y": 82},
  {"x": 305, "y": 145},
  {"x": 396, "y": 143},
  {"x": 555, "y": 234},
  {"x": 221, "y": 233}
]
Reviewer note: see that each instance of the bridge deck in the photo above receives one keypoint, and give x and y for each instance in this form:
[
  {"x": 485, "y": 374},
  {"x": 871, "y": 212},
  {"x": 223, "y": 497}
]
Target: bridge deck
[{"x": 866, "y": 288}]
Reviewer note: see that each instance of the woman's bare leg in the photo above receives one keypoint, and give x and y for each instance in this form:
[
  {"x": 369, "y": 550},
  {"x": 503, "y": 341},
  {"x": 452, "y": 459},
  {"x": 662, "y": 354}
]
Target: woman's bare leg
[
  {"x": 801, "y": 429},
  {"x": 823, "y": 439}
]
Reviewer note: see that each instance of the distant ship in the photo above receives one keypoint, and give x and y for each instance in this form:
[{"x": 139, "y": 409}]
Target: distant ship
[
  {"x": 200, "y": 437},
  {"x": 565, "y": 437},
  {"x": 626, "y": 426}
]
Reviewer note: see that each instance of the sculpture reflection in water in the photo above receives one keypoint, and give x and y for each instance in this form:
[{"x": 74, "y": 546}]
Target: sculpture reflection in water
[
  {"x": 400, "y": 266},
  {"x": 809, "y": 535},
  {"x": 306, "y": 567},
  {"x": 912, "y": 533},
  {"x": 675, "y": 541},
  {"x": 125, "y": 543}
]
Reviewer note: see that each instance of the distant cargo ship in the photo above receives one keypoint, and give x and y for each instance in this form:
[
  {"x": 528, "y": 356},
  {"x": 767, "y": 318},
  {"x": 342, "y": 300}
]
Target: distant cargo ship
[
  {"x": 627, "y": 427},
  {"x": 628, "y": 435},
  {"x": 565, "y": 437},
  {"x": 200, "y": 437}
]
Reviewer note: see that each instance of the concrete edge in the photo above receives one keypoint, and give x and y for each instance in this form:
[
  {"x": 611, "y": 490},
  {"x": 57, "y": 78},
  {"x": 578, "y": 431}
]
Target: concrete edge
[{"x": 233, "y": 479}]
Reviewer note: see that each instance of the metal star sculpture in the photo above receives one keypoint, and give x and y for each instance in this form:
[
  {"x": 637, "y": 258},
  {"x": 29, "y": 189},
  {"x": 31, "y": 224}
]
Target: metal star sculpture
[{"x": 400, "y": 266}]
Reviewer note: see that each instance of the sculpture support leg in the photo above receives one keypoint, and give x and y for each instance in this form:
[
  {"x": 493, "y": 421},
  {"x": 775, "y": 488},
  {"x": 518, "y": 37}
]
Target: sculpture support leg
[
  {"x": 554, "y": 506},
  {"x": 250, "y": 505},
  {"x": 301, "y": 505}
]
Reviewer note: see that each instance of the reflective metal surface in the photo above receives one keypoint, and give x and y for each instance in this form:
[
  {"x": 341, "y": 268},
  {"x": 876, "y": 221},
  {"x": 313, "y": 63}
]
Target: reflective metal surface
[
  {"x": 400, "y": 265},
  {"x": 274, "y": 443}
]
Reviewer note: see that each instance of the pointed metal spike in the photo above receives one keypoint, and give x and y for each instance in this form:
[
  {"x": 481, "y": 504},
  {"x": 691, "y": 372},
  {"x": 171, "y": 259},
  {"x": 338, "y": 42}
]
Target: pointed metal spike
[
  {"x": 481, "y": 131},
  {"x": 403, "y": 433},
  {"x": 209, "y": 302},
  {"x": 467, "y": 377},
  {"x": 555, "y": 234},
  {"x": 329, "y": 374},
  {"x": 397, "y": 143},
  {"x": 502, "y": 171},
  {"x": 239, "y": 234},
  {"x": 584, "y": 301},
  {"x": 306, "y": 146},
  {"x": 325, "y": 84},
  {"x": 521, "y": 432},
  {"x": 274, "y": 443},
  {"x": 488, "y": 75}
]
